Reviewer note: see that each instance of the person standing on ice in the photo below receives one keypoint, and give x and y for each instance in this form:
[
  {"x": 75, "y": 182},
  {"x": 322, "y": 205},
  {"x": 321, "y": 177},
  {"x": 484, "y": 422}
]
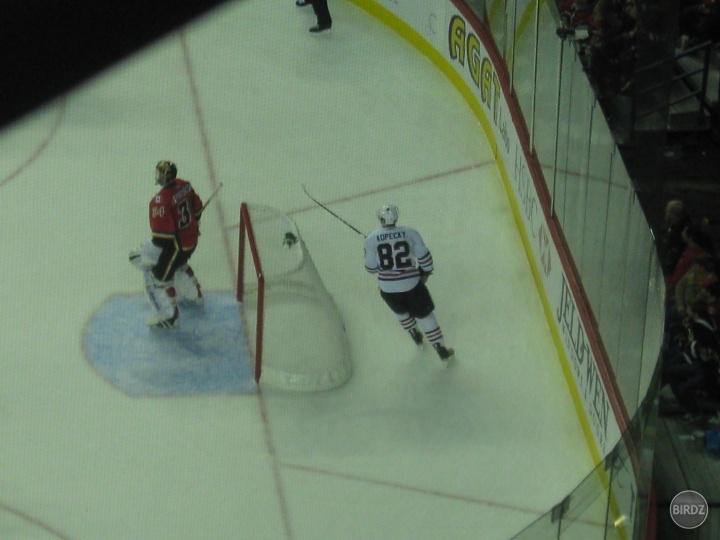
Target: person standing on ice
[
  {"x": 174, "y": 213},
  {"x": 402, "y": 263}
]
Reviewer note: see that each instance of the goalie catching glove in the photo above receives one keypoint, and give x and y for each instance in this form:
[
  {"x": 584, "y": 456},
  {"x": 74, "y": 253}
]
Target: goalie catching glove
[{"x": 145, "y": 257}]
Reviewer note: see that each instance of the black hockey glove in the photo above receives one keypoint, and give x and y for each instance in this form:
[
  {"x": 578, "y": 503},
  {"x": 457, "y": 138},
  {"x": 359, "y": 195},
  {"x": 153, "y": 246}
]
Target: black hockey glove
[{"x": 424, "y": 275}]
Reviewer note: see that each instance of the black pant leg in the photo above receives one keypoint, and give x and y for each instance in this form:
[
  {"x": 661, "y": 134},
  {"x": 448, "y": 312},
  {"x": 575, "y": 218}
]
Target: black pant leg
[{"x": 322, "y": 12}]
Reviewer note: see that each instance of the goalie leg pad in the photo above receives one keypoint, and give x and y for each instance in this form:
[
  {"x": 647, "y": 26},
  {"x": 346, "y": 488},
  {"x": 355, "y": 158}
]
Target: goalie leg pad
[
  {"x": 163, "y": 299},
  {"x": 188, "y": 286}
]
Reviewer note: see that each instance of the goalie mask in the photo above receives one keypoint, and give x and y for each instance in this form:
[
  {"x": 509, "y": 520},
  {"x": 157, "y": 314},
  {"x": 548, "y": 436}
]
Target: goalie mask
[
  {"x": 165, "y": 173},
  {"x": 389, "y": 213}
]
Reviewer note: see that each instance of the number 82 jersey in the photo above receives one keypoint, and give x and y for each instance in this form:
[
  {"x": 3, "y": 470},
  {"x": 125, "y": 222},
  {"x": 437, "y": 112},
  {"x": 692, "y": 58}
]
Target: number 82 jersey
[{"x": 397, "y": 254}]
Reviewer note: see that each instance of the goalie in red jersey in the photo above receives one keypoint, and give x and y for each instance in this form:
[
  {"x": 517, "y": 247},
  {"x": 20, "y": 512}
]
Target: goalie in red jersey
[{"x": 174, "y": 223}]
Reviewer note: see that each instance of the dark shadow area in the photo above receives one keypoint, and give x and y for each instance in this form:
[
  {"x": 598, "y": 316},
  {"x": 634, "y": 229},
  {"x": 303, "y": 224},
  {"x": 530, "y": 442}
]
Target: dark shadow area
[{"x": 49, "y": 46}]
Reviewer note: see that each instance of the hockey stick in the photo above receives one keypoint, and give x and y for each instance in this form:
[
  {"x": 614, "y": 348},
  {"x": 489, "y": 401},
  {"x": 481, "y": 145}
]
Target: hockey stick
[
  {"x": 331, "y": 212},
  {"x": 211, "y": 197}
]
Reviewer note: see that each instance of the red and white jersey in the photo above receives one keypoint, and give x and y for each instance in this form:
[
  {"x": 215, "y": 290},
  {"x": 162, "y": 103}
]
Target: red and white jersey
[
  {"x": 396, "y": 255},
  {"x": 174, "y": 213}
]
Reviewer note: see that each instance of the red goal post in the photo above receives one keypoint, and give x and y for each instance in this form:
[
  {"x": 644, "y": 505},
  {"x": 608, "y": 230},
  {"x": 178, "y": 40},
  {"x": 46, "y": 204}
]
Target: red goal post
[{"x": 246, "y": 231}]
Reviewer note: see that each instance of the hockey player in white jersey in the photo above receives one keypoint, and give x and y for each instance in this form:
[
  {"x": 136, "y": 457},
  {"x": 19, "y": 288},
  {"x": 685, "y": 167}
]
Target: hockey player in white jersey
[{"x": 402, "y": 263}]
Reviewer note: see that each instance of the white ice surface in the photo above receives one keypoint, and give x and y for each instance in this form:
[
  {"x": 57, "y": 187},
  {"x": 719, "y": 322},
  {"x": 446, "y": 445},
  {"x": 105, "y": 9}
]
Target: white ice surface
[{"x": 405, "y": 450}]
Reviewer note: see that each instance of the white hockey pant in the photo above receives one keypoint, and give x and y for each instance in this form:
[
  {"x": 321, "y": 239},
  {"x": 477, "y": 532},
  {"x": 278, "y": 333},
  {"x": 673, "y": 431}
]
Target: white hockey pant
[
  {"x": 429, "y": 326},
  {"x": 162, "y": 296}
]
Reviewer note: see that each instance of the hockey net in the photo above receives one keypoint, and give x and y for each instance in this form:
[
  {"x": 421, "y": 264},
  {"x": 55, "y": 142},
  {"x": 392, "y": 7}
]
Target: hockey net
[{"x": 293, "y": 326}]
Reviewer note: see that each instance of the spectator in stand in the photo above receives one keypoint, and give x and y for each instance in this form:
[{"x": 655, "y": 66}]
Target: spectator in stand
[
  {"x": 691, "y": 288},
  {"x": 696, "y": 242},
  {"x": 671, "y": 243},
  {"x": 698, "y": 375}
]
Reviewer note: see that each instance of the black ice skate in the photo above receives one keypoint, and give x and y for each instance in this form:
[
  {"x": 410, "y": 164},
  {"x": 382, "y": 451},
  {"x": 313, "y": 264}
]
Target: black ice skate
[
  {"x": 416, "y": 335},
  {"x": 446, "y": 354}
]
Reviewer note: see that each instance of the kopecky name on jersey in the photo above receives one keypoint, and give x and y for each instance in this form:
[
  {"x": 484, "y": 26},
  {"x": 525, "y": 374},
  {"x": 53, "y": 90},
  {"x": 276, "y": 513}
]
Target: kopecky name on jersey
[{"x": 390, "y": 236}]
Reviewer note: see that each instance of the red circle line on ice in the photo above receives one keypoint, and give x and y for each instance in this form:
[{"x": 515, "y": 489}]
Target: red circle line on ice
[{"x": 41, "y": 147}]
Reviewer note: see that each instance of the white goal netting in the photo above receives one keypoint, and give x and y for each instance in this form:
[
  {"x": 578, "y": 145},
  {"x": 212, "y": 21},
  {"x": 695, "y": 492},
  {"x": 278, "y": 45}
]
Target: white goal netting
[{"x": 294, "y": 327}]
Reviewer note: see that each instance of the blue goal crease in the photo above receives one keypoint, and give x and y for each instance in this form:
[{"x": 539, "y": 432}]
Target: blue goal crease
[{"x": 206, "y": 354}]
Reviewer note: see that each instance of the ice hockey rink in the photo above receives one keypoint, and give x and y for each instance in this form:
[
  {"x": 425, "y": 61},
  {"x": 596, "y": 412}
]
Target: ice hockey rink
[{"x": 247, "y": 97}]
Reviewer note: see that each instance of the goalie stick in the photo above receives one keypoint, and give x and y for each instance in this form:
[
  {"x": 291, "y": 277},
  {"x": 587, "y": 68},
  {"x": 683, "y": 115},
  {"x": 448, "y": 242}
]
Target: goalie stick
[
  {"x": 330, "y": 211},
  {"x": 211, "y": 197}
]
